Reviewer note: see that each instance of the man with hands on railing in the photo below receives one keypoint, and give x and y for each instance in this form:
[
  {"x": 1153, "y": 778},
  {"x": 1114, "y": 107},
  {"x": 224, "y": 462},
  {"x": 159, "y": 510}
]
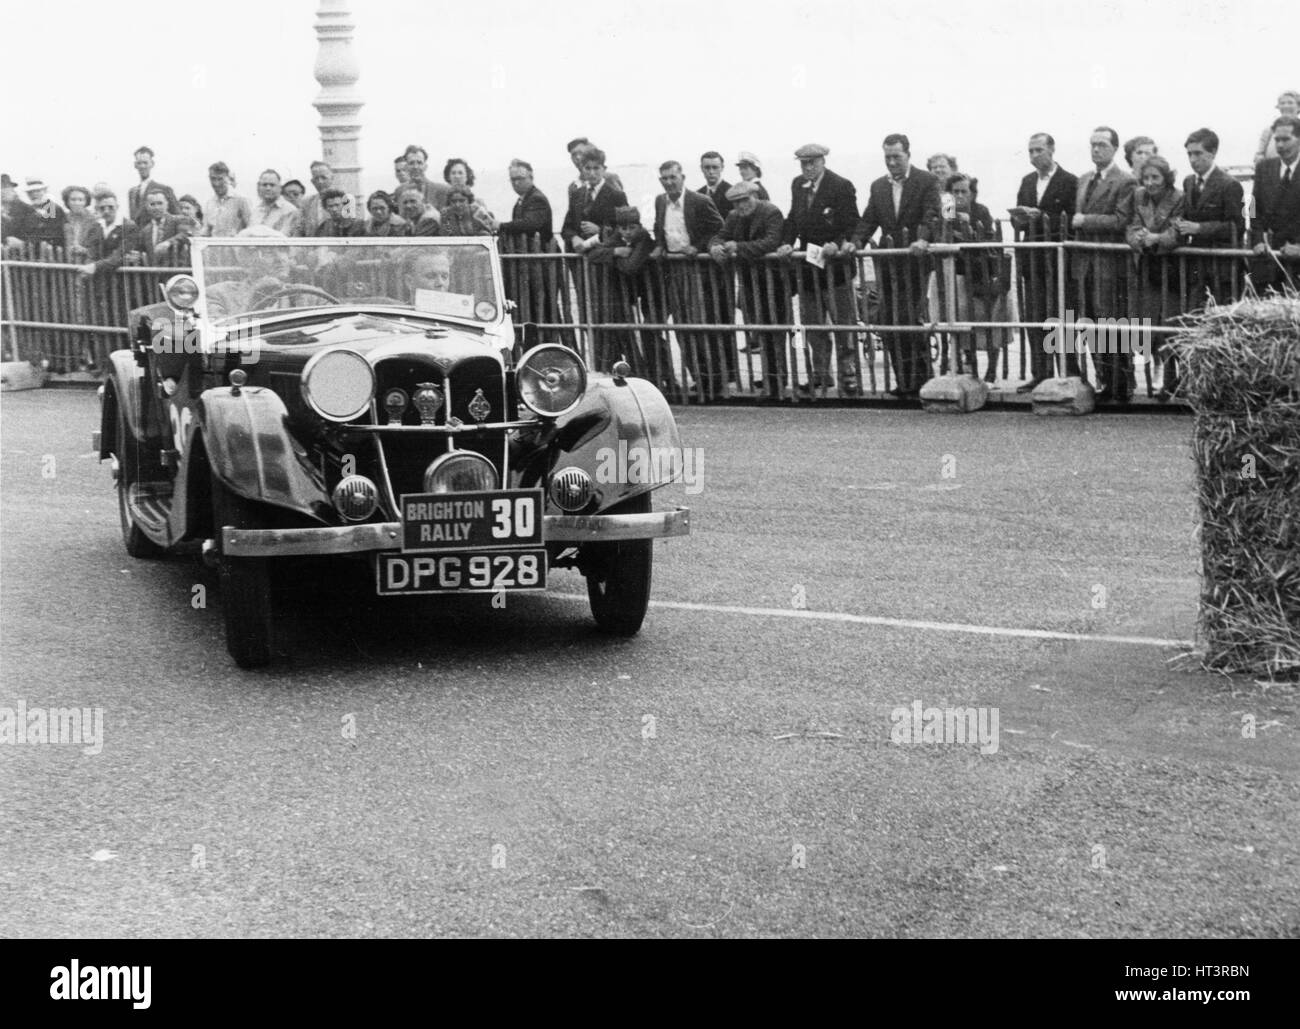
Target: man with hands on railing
[
  {"x": 902, "y": 205},
  {"x": 123, "y": 241},
  {"x": 823, "y": 213},
  {"x": 752, "y": 230}
]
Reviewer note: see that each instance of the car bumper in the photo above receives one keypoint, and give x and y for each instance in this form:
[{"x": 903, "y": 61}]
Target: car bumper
[{"x": 358, "y": 539}]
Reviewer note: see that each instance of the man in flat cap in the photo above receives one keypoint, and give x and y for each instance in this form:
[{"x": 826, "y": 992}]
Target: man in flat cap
[
  {"x": 823, "y": 213},
  {"x": 695, "y": 292},
  {"x": 753, "y": 230},
  {"x": 619, "y": 273},
  {"x": 904, "y": 207}
]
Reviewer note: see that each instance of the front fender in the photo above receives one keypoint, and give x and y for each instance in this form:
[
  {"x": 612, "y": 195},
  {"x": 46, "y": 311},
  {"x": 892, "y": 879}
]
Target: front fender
[
  {"x": 124, "y": 393},
  {"x": 624, "y": 436},
  {"x": 250, "y": 449}
]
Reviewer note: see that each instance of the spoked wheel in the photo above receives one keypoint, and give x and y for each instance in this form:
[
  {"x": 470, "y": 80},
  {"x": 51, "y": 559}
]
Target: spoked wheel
[
  {"x": 618, "y": 577},
  {"x": 245, "y": 584},
  {"x": 128, "y": 474}
]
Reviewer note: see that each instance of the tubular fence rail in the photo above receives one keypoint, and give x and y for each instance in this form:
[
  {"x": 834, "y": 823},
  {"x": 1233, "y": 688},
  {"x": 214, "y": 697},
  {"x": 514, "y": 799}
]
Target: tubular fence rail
[{"x": 774, "y": 327}]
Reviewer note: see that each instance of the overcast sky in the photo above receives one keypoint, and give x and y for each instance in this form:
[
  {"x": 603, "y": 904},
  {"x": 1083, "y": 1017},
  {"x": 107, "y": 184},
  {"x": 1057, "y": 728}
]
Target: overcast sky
[{"x": 492, "y": 79}]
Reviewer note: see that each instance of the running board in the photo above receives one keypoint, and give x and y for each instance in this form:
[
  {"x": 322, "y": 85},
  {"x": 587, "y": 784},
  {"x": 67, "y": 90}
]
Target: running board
[{"x": 150, "y": 505}]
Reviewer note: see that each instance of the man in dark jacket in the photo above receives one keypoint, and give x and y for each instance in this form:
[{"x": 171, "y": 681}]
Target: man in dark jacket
[
  {"x": 1212, "y": 217},
  {"x": 1276, "y": 225},
  {"x": 685, "y": 221},
  {"x": 753, "y": 230},
  {"x": 620, "y": 274},
  {"x": 823, "y": 212},
  {"x": 904, "y": 207},
  {"x": 1046, "y": 194}
]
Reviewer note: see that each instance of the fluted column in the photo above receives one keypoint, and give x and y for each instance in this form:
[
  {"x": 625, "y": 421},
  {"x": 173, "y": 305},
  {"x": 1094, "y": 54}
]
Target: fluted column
[{"x": 338, "y": 101}]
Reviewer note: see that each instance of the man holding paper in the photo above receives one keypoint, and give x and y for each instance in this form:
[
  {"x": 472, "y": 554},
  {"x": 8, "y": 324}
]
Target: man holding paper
[{"x": 823, "y": 212}]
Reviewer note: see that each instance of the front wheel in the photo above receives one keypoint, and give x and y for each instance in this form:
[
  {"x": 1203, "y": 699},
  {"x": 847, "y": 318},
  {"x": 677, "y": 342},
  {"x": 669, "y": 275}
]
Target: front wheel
[
  {"x": 128, "y": 474},
  {"x": 245, "y": 584},
  {"x": 618, "y": 578}
]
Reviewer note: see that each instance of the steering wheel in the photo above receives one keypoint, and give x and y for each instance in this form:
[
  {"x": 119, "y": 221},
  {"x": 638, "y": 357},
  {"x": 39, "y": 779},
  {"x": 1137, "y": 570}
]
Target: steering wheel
[{"x": 291, "y": 290}]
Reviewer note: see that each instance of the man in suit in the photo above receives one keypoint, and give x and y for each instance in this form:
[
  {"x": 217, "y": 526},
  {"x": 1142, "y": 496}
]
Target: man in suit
[
  {"x": 137, "y": 194},
  {"x": 589, "y": 222},
  {"x": 590, "y": 218},
  {"x": 823, "y": 213},
  {"x": 1101, "y": 279},
  {"x": 1212, "y": 217},
  {"x": 1046, "y": 197},
  {"x": 904, "y": 206},
  {"x": 417, "y": 163},
  {"x": 684, "y": 224},
  {"x": 1276, "y": 225},
  {"x": 530, "y": 229},
  {"x": 423, "y": 219},
  {"x": 578, "y": 148},
  {"x": 122, "y": 240},
  {"x": 532, "y": 211},
  {"x": 156, "y": 226},
  {"x": 312, "y": 210},
  {"x": 752, "y": 230},
  {"x": 715, "y": 186}
]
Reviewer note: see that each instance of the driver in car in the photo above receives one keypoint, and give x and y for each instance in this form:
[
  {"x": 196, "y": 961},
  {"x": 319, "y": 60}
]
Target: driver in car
[
  {"x": 266, "y": 271},
  {"x": 427, "y": 270}
]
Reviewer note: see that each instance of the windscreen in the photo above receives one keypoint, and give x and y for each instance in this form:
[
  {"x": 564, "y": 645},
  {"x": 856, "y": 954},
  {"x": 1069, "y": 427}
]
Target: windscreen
[{"x": 447, "y": 278}]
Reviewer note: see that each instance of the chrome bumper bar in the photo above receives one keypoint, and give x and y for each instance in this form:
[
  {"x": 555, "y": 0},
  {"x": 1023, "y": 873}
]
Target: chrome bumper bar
[{"x": 356, "y": 539}]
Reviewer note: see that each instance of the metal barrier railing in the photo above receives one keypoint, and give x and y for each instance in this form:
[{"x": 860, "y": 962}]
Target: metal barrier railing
[{"x": 882, "y": 320}]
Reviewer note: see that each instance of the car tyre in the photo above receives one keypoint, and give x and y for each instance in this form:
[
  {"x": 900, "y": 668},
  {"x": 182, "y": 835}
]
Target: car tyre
[
  {"x": 618, "y": 582},
  {"x": 245, "y": 584},
  {"x": 137, "y": 544}
]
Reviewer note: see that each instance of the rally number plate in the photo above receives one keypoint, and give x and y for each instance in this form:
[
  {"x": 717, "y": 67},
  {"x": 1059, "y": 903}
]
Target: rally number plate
[
  {"x": 466, "y": 571},
  {"x": 473, "y": 521}
]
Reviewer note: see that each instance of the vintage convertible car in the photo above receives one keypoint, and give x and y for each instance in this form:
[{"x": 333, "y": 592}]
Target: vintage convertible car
[{"x": 367, "y": 398}]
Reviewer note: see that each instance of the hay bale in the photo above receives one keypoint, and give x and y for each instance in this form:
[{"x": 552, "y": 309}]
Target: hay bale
[{"x": 1240, "y": 369}]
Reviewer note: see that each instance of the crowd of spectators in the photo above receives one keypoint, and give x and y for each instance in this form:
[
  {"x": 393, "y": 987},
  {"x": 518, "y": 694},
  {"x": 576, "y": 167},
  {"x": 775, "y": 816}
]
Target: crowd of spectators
[{"x": 907, "y": 212}]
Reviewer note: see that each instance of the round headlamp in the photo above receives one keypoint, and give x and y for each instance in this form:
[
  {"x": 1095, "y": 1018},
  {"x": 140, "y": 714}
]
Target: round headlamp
[
  {"x": 338, "y": 384},
  {"x": 181, "y": 292},
  {"x": 461, "y": 471},
  {"x": 551, "y": 379}
]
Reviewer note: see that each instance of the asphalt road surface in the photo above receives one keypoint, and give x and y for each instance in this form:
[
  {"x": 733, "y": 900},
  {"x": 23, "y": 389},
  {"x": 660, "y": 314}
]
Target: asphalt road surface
[{"x": 430, "y": 767}]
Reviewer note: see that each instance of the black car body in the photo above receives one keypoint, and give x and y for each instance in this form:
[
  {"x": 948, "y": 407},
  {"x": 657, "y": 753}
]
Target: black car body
[{"x": 392, "y": 417}]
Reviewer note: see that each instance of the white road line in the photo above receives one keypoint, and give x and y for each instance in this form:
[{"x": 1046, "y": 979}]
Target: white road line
[{"x": 906, "y": 623}]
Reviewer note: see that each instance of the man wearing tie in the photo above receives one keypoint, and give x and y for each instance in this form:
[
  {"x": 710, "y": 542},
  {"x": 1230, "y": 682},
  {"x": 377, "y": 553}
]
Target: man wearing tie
[
  {"x": 138, "y": 194},
  {"x": 715, "y": 186},
  {"x": 157, "y": 225},
  {"x": 1212, "y": 217},
  {"x": 1101, "y": 279},
  {"x": 1046, "y": 193},
  {"x": 904, "y": 206},
  {"x": 1277, "y": 209}
]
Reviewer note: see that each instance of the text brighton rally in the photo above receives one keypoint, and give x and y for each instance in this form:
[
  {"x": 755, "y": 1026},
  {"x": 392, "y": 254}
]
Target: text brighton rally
[{"x": 444, "y": 510}]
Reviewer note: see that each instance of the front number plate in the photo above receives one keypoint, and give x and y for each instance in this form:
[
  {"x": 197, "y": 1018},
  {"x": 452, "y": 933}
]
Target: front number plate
[
  {"x": 461, "y": 521},
  {"x": 466, "y": 571}
]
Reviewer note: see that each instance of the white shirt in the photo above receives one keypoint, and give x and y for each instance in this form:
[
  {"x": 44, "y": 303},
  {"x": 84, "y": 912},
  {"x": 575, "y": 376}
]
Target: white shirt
[
  {"x": 1044, "y": 181},
  {"x": 897, "y": 186},
  {"x": 1285, "y": 167},
  {"x": 675, "y": 234}
]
